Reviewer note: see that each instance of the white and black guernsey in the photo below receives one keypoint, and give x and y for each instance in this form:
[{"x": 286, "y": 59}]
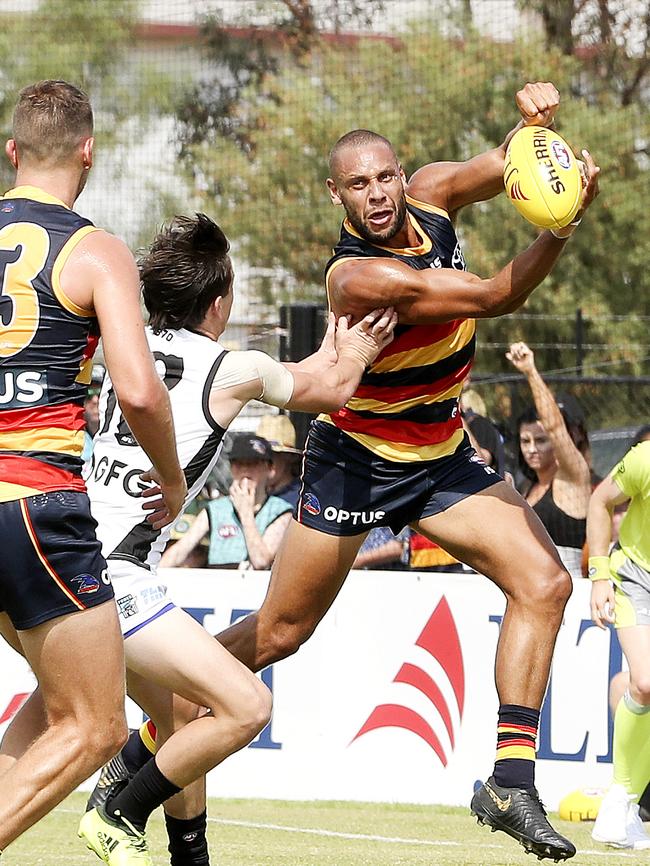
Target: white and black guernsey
[{"x": 187, "y": 362}]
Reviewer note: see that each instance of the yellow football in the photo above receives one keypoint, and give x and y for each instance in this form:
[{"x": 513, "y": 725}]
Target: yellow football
[
  {"x": 581, "y": 805},
  {"x": 542, "y": 177}
]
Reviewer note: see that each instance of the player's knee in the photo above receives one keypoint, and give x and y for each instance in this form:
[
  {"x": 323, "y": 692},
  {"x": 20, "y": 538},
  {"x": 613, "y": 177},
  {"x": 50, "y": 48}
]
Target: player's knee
[
  {"x": 553, "y": 589},
  {"x": 286, "y": 638},
  {"x": 103, "y": 741},
  {"x": 545, "y": 592},
  {"x": 254, "y": 709},
  {"x": 640, "y": 688}
]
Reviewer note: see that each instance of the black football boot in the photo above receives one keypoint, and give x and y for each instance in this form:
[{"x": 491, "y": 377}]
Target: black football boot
[{"x": 521, "y": 814}]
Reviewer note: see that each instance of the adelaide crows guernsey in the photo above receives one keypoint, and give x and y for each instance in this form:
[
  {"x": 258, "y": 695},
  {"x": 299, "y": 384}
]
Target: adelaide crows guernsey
[
  {"x": 406, "y": 406},
  {"x": 46, "y": 347},
  {"x": 188, "y": 364}
]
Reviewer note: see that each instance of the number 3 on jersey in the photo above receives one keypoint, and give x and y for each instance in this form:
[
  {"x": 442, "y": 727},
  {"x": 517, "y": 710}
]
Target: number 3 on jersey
[{"x": 24, "y": 248}]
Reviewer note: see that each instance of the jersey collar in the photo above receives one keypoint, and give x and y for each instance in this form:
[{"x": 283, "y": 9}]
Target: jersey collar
[
  {"x": 422, "y": 249},
  {"x": 34, "y": 193}
]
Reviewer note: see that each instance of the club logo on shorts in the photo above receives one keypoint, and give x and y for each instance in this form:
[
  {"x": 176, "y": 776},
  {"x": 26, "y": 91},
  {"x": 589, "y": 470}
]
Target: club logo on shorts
[
  {"x": 311, "y": 504},
  {"x": 86, "y": 584},
  {"x": 229, "y": 530}
]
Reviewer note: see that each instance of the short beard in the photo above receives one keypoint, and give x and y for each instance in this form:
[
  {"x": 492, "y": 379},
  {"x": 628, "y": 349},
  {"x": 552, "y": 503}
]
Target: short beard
[{"x": 380, "y": 237}]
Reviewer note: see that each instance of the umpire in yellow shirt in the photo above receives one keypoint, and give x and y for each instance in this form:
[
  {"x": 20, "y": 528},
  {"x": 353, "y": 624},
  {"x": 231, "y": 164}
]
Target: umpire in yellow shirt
[{"x": 621, "y": 595}]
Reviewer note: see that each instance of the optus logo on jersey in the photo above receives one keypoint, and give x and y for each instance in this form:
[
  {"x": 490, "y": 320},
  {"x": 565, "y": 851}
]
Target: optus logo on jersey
[
  {"x": 21, "y": 388},
  {"x": 439, "y": 639}
]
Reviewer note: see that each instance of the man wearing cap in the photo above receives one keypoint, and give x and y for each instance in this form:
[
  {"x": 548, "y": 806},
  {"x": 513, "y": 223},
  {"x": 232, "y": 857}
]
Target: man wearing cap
[
  {"x": 246, "y": 527},
  {"x": 281, "y": 434}
]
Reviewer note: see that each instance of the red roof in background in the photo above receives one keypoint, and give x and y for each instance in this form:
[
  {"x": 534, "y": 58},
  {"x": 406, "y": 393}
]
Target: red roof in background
[{"x": 158, "y": 31}]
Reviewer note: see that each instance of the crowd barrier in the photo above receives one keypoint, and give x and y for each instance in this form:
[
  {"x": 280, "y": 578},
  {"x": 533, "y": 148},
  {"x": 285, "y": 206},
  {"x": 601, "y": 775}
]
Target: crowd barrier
[{"x": 393, "y": 698}]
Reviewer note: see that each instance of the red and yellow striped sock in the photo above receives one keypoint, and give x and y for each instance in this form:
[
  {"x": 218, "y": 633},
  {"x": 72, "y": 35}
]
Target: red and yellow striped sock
[
  {"x": 514, "y": 766},
  {"x": 148, "y": 735}
]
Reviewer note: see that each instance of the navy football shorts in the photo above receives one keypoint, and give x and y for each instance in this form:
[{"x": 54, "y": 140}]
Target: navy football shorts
[
  {"x": 51, "y": 561},
  {"x": 346, "y": 489}
]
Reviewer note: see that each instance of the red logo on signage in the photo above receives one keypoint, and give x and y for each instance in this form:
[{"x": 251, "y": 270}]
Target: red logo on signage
[{"x": 439, "y": 638}]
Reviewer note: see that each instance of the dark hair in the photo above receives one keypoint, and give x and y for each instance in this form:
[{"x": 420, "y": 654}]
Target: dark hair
[
  {"x": 356, "y": 138},
  {"x": 641, "y": 434},
  {"x": 576, "y": 429},
  {"x": 186, "y": 268},
  {"x": 51, "y": 118}
]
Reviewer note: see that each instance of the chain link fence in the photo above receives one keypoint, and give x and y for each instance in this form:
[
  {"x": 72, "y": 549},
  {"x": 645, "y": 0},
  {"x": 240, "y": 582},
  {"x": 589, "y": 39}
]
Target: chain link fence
[{"x": 231, "y": 107}]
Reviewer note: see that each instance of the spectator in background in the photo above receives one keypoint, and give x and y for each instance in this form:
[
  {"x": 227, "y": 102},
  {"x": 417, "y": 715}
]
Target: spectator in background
[
  {"x": 557, "y": 477},
  {"x": 91, "y": 409},
  {"x": 384, "y": 550},
  {"x": 487, "y": 442},
  {"x": 247, "y": 525},
  {"x": 281, "y": 435}
]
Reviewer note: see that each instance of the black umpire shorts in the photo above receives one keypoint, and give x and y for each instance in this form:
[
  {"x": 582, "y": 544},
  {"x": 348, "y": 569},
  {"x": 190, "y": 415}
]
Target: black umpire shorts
[
  {"x": 51, "y": 562},
  {"x": 346, "y": 489}
]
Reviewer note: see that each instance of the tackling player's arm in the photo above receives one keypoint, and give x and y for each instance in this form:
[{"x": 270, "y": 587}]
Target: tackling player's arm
[
  {"x": 440, "y": 295},
  {"x": 101, "y": 275},
  {"x": 452, "y": 185},
  {"x": 323, "y": 382}
]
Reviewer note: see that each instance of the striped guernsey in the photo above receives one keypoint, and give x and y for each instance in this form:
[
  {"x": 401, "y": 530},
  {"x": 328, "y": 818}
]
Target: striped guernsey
[{"x": 406, "y": 406}]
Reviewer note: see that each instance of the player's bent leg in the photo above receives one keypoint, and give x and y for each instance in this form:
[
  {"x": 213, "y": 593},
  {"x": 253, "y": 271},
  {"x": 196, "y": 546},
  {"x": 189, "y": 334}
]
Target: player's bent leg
[
  {"x": 207, "y": 675},
  {"x": 499, "y": 535},
  {"x": 308, "y": 572},
  {"x": 185, "y": 813},
  {"x": 204, "y": 673},
  {"x": 79, "y": 663}
]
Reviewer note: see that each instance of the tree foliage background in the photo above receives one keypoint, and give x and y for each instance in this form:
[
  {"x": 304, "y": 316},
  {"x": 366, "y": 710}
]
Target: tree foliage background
[
  {"x": 231, "y": 107},
  {"x": 256, "y": 141}
]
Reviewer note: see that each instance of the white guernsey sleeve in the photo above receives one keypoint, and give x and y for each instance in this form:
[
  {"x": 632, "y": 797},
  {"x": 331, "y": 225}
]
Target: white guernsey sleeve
[{"x": 239, "y": 367}]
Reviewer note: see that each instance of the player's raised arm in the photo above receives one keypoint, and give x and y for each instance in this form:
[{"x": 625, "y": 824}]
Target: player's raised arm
[
  {"x": 452, "y": 185},
  {"x": 104, "y": 264},
  {"x": 440, "y": 295}
]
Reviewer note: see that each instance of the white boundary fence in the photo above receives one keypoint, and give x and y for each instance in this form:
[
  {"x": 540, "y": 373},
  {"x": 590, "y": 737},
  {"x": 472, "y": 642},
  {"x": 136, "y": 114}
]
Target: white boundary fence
[{"x": 393, "y": 698}]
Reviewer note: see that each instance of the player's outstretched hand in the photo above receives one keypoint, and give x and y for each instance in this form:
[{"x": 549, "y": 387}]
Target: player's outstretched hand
[
  {"x": 367, "y": 338},
  {"x": 163, "y": 501},
  {"x": 602, "y": 603},
  {"x": 537, "y": 103},
  {"x": 521, "y": 357}
]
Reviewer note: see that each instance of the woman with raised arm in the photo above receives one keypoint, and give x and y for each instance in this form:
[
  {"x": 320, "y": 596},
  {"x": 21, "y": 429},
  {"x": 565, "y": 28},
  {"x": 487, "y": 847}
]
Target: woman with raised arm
[{"x": 557, "y": 479}]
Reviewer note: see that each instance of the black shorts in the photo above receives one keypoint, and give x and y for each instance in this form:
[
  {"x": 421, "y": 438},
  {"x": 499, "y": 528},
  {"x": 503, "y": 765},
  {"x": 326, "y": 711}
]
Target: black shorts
[
  {"x": 346, "y": 489},
  {"x": 51, "y": 562}
]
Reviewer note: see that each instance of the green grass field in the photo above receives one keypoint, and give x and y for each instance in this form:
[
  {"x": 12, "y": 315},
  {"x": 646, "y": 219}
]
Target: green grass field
[{"x": 275, "y": 833}]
